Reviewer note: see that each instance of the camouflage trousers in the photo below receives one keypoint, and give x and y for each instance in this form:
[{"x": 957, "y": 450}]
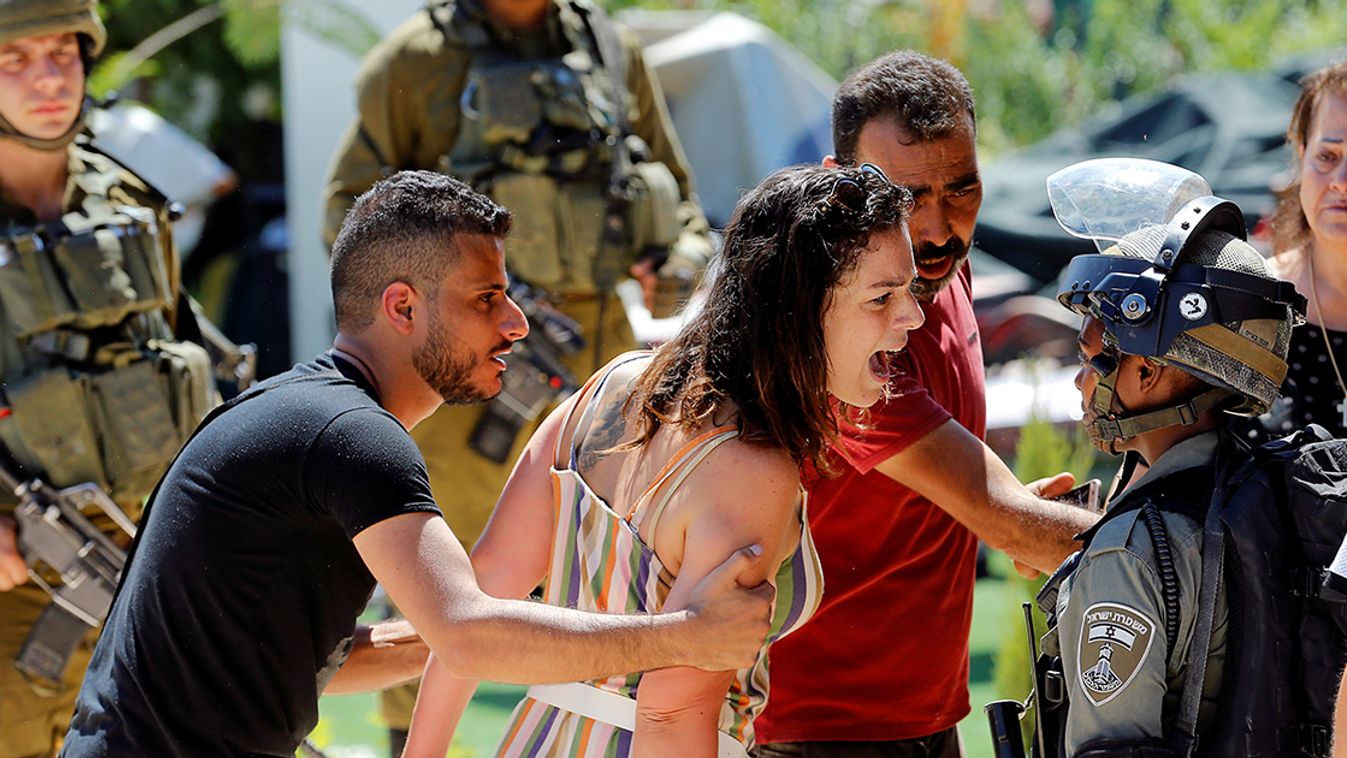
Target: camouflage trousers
[{"x": 33, "y": 723}]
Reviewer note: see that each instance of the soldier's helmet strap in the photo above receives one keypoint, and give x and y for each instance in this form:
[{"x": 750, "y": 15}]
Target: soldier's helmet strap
[{"x": 7, "y": 131}]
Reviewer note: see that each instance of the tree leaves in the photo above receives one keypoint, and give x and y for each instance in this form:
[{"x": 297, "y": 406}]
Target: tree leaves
[{"x": 253, "y": 27}]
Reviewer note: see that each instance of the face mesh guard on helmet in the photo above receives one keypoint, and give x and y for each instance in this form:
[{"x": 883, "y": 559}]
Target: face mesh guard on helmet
[
  {"x": 38, "y": 18},
  {"x": 1193, "y": 294}
]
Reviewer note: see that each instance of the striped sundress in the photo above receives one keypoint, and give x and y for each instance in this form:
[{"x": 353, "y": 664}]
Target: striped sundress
[{"x": 600, "y": 563}]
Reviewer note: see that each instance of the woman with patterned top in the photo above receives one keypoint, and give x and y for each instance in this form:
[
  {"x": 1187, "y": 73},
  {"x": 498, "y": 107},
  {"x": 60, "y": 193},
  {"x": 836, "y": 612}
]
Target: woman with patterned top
[
  {"x": 1310, "y": 239},
  {"x": 666, "y": 462}
]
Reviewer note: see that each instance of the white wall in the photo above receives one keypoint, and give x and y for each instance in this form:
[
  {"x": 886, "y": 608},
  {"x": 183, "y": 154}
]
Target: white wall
[{"x": 319, "y": 96}]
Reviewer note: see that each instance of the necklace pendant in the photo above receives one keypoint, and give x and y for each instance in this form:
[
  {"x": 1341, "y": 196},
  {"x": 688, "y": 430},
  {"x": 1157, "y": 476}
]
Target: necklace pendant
[{"x": 1342, "y": 409}]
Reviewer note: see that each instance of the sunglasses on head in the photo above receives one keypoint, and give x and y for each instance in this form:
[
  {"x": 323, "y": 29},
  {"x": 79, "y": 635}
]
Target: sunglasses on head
[{"x": 849, "y": 193}]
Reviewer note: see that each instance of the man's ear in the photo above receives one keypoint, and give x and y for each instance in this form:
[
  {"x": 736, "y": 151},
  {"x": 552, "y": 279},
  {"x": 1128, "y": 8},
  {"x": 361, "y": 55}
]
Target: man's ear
[
  {"x": 830, "y": 161},
  {"x": 399, "y": 306},
  {"x": 1166, "y": 383},
  {"x": 1149, "y": 374},
  {"x": 1135, "y": 386}
]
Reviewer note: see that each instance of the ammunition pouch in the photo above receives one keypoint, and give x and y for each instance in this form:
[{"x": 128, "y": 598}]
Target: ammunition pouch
[
  {"x": 1050, "y": 690},
  {"x": 529, "y": 116},
  {"x": 84, "y": 272},
  {"x": 117, "y": 424},
  {"x": 1051, "y": 699},
  {"x": 503, "y": 99},
  {"x": 556, "y": 229},
  {"x": 537, "y": 135},
  {"x": 652, "y": 211},
  {"x": 510, "y": 98}
]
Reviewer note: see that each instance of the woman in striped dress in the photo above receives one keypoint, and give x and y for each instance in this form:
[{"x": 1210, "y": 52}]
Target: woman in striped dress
[{"x": 667, "y": 462}]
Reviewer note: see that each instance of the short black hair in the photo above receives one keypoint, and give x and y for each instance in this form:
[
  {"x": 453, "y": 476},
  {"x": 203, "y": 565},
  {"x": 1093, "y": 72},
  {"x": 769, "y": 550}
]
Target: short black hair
[
  {"x": 404, "y": 229},
  {"x": 925, "y": 96}
]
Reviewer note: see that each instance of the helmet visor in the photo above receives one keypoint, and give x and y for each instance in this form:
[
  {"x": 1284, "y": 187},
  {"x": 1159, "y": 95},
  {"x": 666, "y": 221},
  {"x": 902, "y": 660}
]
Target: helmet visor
[{"x": 1106, "y": 198}]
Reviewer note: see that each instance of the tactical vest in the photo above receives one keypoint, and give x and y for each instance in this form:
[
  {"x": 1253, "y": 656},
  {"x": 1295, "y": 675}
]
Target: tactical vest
[
  {"x": 541, "y": 137},
  {"x": 1182, "y": 491},
  {"x": 95, "y": 388},
  {"x": 1272, "y": 524}
]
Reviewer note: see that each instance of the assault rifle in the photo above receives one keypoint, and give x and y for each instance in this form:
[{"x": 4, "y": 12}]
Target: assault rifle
[
  {"x": 535, "y": 374},
  {"x": 235, "y": 364},
  {"x": 1045, "y": 699},
  {"x": 54, "y": 532}
]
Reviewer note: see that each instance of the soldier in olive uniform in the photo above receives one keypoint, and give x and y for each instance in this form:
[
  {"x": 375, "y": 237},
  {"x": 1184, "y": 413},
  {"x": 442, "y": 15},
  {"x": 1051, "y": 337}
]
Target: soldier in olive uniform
[
  {"x": 1160, "y": 380},
  {"x": 95, "y": 386},
  {"x": 548, "y": 108},
  {"x": 524, "y": 102}
]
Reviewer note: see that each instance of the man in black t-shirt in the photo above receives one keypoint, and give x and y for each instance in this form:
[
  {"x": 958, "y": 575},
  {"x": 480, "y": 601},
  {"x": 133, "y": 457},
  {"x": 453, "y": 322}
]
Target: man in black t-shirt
[{"x": 269, "y": 532}]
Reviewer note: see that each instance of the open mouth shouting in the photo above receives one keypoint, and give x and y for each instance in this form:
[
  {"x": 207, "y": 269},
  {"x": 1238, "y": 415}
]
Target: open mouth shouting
[{"x": 883, "y": 365}]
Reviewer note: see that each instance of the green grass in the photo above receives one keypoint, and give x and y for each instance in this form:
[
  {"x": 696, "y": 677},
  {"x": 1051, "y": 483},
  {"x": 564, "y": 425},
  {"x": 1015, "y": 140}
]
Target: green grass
[
  {"x": 994, "y": 611},
  {"x": 350, "y": 726}
]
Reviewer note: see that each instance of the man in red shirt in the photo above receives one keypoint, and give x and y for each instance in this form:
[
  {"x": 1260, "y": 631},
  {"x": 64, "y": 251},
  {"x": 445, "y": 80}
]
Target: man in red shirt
[{"x": 882, "y": 668}]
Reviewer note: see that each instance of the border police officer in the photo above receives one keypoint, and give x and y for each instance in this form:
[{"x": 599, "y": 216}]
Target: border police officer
[{"x": 1183, "y": 326}]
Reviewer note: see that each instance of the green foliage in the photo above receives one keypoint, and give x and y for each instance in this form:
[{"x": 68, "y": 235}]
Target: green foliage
[
  {"x": 194, "y": 78},
  {"x": 1042, "y": 450},
  {"x": 253, "y": 27},
  {"x": 336, "y": 22},
  {"x": 1039, "y": 66},
  {"x": 114, "y": 71},
  {"x": 213, "y": 67},
  {"x": 252, "y": 30}
]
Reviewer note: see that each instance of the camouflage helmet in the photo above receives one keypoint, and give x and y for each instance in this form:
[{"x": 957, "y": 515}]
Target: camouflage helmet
[
  {"x": 1247, "y": 357},
  {"x": 35, "y": 18},
  {"x": 1175, "y": 282}
]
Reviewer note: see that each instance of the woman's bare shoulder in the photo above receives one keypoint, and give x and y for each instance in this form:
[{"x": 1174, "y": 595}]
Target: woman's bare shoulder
[
  {"x": 739, "y": 471},
  {"x": 742, "y": 494}
]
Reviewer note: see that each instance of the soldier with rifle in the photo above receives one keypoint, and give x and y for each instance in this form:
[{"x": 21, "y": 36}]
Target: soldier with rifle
[
  {"x": 547, "y": 107},
  {"x": 99, "y": 383}
]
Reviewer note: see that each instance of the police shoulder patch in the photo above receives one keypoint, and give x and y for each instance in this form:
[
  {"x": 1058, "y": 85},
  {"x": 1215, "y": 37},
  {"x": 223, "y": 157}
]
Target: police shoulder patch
[{"x": 1114, "y": 641}]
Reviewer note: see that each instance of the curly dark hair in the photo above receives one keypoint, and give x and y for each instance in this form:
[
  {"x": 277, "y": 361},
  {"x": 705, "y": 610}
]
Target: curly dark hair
[
  {"x": 758, "y": 340},
  {"x": 1289, "y": 225},
  {"x": 404, "y": 229},
  {"x": 925, "y": 96}
]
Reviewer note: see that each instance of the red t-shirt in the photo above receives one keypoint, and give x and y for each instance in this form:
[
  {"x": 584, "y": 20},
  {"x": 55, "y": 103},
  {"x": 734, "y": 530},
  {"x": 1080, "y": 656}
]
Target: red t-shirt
[{"x": 885, "y": 657}]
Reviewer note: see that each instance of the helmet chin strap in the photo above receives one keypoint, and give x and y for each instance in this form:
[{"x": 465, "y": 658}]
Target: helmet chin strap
[
  {"x": 7, "y": 131},
  {"x": 1103, "y": 429},
  {"x": 1112, "y": 424}
]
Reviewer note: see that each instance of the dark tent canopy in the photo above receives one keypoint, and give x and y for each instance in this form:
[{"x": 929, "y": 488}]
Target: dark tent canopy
[{"x": 1227, "y": 127}]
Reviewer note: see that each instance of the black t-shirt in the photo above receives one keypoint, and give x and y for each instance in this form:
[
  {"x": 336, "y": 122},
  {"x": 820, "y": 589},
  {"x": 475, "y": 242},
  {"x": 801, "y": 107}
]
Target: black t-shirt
[
  {"x": 1311, "y": 393},
  {"x": 241, "y": 597}
]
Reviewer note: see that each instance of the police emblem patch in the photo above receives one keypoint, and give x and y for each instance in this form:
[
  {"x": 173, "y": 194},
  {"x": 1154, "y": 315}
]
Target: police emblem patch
[
  {"x": 1193, "y": 306},
  {"x": 1114, "y": 640}
]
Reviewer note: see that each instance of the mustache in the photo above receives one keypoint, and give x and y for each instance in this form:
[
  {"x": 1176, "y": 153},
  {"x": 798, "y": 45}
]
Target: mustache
[{"x": 929, "y": 252}]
